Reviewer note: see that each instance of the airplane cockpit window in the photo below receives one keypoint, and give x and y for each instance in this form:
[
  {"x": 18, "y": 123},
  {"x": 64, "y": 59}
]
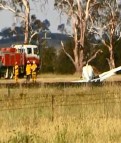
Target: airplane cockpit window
[{"x": 29, "y": 51}]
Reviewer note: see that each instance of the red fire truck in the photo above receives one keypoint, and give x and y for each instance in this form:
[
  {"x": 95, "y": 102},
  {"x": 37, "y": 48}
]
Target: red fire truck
[{"x": 20, "y": 54}]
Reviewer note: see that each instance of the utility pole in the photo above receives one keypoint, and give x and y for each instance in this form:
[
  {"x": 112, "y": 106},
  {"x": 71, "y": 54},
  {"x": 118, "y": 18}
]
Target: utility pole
[{"x": 45, "y": 38}]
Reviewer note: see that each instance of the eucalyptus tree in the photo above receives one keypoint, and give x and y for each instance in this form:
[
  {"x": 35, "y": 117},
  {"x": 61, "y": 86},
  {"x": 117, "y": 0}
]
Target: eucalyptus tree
[
  {"x": 21, "y": 9},
  {"x": 78, "y": 12},
  {"x": 106, "y": 25}
]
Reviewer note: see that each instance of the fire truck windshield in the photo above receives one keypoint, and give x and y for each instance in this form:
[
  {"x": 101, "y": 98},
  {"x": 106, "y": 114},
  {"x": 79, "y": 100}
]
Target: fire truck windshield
[{"x": 29, "y": 50}]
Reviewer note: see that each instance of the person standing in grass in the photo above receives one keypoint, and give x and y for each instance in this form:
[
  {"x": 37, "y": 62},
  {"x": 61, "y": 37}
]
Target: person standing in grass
[
  {"x": 16, "y": 72},
  {"x": 34, "y": 72},
  {"x": 28, "y": 71}
]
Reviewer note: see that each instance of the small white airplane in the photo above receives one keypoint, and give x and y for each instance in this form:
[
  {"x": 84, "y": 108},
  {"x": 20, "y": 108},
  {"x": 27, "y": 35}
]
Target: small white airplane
[{"x": 88, "y": 74}]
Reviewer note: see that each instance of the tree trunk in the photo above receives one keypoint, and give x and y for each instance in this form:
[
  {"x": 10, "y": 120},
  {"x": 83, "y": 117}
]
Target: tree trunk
[
  {"x": 111, "y": 61},
  {"x": 27, "y": 20},
  {"x": 79, "y": 61}
]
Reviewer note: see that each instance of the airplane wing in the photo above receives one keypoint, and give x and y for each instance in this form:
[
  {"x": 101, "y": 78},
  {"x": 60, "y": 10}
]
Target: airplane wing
[{"x": 108, "y": 74}]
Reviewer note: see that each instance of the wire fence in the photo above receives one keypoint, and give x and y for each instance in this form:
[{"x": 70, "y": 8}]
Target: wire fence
[{"x": 105, "y": 107}]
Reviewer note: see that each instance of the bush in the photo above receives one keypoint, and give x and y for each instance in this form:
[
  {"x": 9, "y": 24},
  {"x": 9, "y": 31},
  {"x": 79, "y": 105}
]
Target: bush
[
  {"x": 56, "y": 61},
  {"x": 63, "y": 64},
  {"x": 48, "y": 59}
]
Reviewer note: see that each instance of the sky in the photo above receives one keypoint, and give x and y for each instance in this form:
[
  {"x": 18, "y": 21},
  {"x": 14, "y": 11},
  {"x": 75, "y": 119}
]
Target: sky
[{"x": 41, "y": 12}]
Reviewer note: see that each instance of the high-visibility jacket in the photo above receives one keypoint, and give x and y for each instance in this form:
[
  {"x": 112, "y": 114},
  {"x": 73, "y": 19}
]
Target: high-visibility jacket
[
  {"x": 16, "y": 70},
  {"x": 28, "y": 69},
  {"x": 34, "y": 69}
]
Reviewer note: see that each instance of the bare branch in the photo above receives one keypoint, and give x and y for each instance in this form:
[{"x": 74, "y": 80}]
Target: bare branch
[
  {"x": 11, "y": 9},
  {"x": 62, "y": 44},
  {"x": 35, "y": 33},
  {"x": 103, "y": 41},
  {"x": 95, "y": 55}
]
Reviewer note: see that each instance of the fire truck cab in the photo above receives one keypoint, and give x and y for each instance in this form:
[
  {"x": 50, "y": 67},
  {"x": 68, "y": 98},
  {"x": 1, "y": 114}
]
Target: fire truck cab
[{"x": 31, "y": 52}]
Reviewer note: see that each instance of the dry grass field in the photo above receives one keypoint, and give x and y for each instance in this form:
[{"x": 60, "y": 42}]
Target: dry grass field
[{"x": 82, "y": 114}]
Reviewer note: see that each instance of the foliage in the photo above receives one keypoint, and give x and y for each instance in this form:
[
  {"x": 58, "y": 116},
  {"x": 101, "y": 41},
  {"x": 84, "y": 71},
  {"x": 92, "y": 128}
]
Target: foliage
[
  {"x": 9, "y": 32},
  {"x": 21, "y": 10},
  {"x": 48, "y": 58},
  {"x": 55, "y": 60},
  {"x": 79, "y": 14},
  {"x": 101, "y": 19},
  {"x": 117, "y": 53},
  {"x": 100, "y": 62},
  {"x": 36, "y": 27},
  {"x": 63, "y": 63},
  {"x": 105, "y": 25},
  {"x": 61, "y": 28}
]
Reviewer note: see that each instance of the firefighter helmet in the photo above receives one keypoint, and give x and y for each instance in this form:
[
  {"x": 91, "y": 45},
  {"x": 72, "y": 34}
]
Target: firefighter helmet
[
  {"x": 33, "y": 62},
  {"x": 28, "y": 62}
]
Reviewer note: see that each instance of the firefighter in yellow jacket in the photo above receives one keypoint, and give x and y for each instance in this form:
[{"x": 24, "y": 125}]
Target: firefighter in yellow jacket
[
  {"x": 16, "y": 72},
  {"x": 28, "y": 71},
  {"x": 34, "y": 71}
]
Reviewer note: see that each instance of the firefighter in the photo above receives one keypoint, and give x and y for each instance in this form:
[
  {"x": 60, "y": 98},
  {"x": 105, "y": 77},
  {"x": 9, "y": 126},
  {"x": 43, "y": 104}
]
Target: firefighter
[
  {"x": 34, "y": 72},
  {"x": 16, "y": 72},
  {"x": 28, "y": 71}
]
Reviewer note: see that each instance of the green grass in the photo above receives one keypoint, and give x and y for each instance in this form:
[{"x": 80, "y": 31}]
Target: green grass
[{"x": 85, "y": 114}]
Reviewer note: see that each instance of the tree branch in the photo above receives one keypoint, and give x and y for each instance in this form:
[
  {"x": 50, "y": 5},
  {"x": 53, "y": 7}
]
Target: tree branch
[
  {"x": 11, "y": 9},
  {"x": 95, "y": 55},
  {"x": 67, "y": 53}
]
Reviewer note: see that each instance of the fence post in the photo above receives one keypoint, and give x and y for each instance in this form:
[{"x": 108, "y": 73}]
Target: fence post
[{"x": 53, "y": 100}]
